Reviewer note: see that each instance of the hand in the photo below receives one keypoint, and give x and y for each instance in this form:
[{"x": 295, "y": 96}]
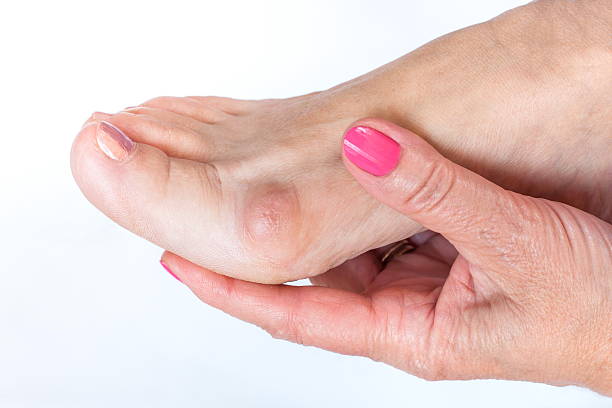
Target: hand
[{"x": 509, "y": 286}]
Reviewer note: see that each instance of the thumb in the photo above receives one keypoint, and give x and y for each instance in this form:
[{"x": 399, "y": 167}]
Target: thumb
[{"x": 400, "y": 169}]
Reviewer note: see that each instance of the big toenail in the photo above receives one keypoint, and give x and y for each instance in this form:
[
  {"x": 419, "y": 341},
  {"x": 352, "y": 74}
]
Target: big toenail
[
  {"x": 371, "y": 150},
  {"x": 113, "y": 142}
]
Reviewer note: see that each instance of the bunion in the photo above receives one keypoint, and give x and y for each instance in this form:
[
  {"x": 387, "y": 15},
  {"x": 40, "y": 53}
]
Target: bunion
[{"x": 271, "y": 219}]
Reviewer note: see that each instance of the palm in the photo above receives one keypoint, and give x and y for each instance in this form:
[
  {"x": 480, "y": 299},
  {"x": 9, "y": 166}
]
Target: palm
[
  {"x": 416, "y": 306},
  {"x": 409, "y": 290}
]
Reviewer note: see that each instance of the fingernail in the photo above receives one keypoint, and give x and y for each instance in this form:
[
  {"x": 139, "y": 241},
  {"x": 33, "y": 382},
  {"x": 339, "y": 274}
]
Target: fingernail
[
  {"x": 113, "y": 142},
  {"x": 167, "y": 268},
  {"x": 371, "y": 150}
]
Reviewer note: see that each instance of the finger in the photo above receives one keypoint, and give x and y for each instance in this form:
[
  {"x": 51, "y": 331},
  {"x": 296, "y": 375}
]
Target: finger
[
  {"x": 332, "y": 319},
  {"x": 402, "y": 170},
  {"x": 422, "y": 238},
  {"x": 439, "y": 248},
  {"x": 421, "y": 269},
  {"x": 354, "y": 275}
]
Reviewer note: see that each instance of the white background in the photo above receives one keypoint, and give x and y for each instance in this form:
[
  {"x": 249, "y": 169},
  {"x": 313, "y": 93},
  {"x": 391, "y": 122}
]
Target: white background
[{"x": 87, "y": 316}]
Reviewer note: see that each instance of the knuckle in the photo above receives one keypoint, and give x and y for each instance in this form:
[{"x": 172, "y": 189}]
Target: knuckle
[
  {"x": 448, "y": 358},
  {"x": 511, "y": 230},
  {"x": 503, "y": 244},
  {"x": 505, "y": 237},
  {"x": 427, "y": 367},
  {"x": 289, "y": 328},
  {"x": 428, "y": 193}
]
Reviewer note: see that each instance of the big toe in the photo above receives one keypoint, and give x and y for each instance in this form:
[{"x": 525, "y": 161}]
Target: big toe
[
  {"x": 179, "y": 204},
  {"x": 164, "y": 199}
]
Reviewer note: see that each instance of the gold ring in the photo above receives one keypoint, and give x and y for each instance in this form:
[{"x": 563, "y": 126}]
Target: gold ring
[{"x": 400, "y": 248}]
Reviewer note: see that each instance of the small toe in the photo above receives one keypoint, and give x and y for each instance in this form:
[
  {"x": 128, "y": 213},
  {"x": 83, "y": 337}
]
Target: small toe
[
  {"x": 170, "y": 117},
  {"x": 189, "y": 107}
]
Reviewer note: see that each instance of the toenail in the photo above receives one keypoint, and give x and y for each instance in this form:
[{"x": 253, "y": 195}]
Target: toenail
[
  {"x": 130, "y": 110},
  {"x": 113, "y": 142},
  {"x": 167, "y": 268},
  {"x": 371, "y": 150}
]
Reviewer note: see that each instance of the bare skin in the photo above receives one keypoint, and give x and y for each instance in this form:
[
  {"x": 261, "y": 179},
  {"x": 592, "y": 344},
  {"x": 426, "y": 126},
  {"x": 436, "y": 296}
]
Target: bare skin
[
  {"x": 257, "y": 190},
  {"x": 515, "y": 287},
  {"x": 512, "y": 287}
]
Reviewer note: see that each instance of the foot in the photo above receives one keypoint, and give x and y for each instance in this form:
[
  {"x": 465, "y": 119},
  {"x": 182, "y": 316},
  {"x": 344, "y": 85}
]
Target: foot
[{"x": 257, "y": 190}]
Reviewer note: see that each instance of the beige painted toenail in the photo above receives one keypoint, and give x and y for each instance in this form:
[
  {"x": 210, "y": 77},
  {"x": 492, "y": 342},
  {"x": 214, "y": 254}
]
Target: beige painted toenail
[{"x": 113, "y": 142}]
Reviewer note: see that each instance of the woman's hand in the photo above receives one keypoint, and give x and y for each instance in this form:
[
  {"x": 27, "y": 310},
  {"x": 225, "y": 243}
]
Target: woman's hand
[{"x": 508, "y": 286}]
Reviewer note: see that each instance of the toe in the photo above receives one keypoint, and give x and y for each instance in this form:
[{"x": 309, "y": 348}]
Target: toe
[
  {"x": 229, "y": 105},
  {"x": 174, "y": 203},
  {"x": 180, "y": 204},
  {"x": 195, "y": 109},
  {"x": 169, "y": 117},
  {"x": 176, "y": 138}
]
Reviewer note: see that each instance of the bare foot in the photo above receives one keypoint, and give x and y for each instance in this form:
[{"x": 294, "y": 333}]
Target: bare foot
[{"x": 257, "y": 190}]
